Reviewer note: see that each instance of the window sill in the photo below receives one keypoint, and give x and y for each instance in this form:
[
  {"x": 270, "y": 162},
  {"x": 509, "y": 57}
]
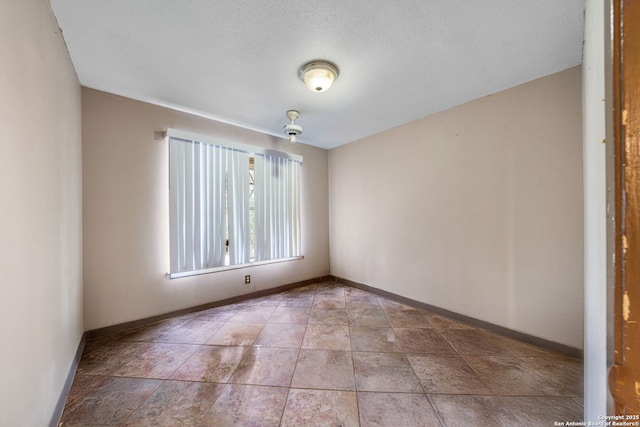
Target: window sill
[{"x": 230, "y": 267}]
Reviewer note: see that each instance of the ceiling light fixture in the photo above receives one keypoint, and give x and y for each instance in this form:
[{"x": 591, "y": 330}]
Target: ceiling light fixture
[
  {"x": 292, "y": 129},
  {"x": 318, "y": 75}
]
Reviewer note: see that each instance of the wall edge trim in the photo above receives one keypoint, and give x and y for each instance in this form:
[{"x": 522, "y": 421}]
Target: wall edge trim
[
  {"x": 113, "y": 329},
  {"x": 62, "y": 399},
  {"x": 500, "y": 330}
]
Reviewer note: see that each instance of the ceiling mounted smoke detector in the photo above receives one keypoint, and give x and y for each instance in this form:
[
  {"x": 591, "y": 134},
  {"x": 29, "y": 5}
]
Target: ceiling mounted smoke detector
[
  {"x": 318, "y": 75},
  {"x": 292, "y": 129}
]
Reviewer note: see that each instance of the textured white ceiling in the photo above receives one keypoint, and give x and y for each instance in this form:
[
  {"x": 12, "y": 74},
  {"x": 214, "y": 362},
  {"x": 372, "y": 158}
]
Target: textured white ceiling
[{"x": 237, "y": 61}]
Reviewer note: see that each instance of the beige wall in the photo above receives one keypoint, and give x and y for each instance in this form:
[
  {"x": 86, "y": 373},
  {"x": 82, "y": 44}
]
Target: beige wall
[
  {"x": 40, "y": 213},
  {"x": 477, "y": 209},
  {"x": 126, "y": 219}
]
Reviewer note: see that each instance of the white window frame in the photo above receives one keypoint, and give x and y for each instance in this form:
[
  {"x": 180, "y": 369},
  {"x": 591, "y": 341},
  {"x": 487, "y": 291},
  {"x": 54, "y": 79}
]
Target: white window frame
[{"x": 252, "y": 150}]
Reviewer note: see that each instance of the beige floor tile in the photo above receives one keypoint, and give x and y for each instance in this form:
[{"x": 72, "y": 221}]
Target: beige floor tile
[
  {"x": 176, "y": 403},
  {"x": 311, "y": 288},
  {"x": 328, "y": 337},
  {"x": 362, "y": 305},
  {"x": 359, "y": 301},
  {"x": 329, "y": 316},
  {"x": 290, "y": 315},
  {"x": 355, "y": 294},
  {"x": 157, "y": 360},
  {"x": 442, "y": 322},
  {"x": 306, "y": 302},
  {"x": 323, "y": 354},
  {"x": 395, "y": 409},
  {"x": 211, "y": 364},
  {"x": 153, "y": 332},
  {"x": 248, "y": 405},
  {"x": 485, "y": 411},
  {"x": 518, "y": 348},
  {"x": 541, "y": 411},
  {"x": 266, "y": 366},
  {"x": 110, "y": 403},
  {"x": 219, "y": 314},
  {"x": 329, "y": 301},
  {"x": 266, "y": 301},
  {"x": 372, "y": 317},
  {"x": 446, "y": 374},
  {"x": 419, "y": 340},
  {"x": 385, "y": 372},
  {"x": 324, "y": 369},
  {"x": 473, "y": 341},
  {"x": 374, "y": 339},
  {"x": 236, "y": 334},
  {"x": 563, "y": 373},
  {"x": 388, "y": 304},
  {"x": 253, "y": 314},
  {"x": 297, "y": 298},
  {"x": 190, "y": 332},
  {"x": 83, "y": 385},
  {"x": 408, "y": 319},
  {"x": 109, "y": 357},
  {"x": 280, "y": 335},
  {"x": 510, "y": 376},
  {"x": 320, "y": 408},
  {"x": 331, "y": 289}
]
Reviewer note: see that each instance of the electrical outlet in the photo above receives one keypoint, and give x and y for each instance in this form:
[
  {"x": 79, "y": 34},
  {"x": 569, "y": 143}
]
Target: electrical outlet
[{"x": 247, "y": 279}]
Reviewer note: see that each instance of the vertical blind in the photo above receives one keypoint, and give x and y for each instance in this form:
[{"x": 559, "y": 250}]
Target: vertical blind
[
  {"x": 277, "y": 208},
  {"x": 210, "y": 205}
]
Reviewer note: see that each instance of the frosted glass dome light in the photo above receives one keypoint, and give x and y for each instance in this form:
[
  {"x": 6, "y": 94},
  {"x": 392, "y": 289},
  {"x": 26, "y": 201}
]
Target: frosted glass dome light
[{"x": 318, "y": 76}]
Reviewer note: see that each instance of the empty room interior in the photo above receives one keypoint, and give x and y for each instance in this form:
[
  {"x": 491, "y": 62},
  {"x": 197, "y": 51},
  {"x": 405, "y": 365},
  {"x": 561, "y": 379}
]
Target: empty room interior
[{"x": 417, "y": 230}]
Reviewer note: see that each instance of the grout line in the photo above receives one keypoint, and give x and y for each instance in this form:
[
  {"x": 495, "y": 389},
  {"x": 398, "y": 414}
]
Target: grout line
[{"x": 119, "y": 338}]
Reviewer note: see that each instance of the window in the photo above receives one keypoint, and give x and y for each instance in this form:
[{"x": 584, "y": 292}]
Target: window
[{"x": 230, "y": 204}]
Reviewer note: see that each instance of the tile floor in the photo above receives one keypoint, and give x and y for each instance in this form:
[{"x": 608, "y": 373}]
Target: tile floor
[{"x": 324, "y": 355}]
